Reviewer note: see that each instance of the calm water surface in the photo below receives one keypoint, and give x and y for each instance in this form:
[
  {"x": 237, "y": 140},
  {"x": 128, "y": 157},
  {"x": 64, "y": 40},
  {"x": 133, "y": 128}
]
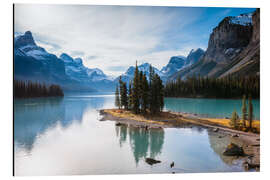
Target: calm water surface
[
  {"x": 219, "y": 108},
  {"x": 63, "y": 136}
]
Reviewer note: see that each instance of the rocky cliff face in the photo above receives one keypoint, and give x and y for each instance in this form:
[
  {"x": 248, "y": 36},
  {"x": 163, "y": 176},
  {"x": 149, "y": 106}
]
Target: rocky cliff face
[
  {"x": 248, "y": 61},
  {"x": 227, "y": 42}
]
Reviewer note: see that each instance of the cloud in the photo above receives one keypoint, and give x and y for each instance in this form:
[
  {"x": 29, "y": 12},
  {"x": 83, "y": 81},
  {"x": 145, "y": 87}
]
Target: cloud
[
  {"x": 77, "y": 53},
  {"x": 108, "y": 37}
]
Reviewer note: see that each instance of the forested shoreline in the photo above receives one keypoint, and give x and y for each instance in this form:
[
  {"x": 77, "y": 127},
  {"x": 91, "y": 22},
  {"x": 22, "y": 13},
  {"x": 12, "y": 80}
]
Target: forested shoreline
[
  {"x": 227, "y": 87},
  {"x": 29, "y": 89}
]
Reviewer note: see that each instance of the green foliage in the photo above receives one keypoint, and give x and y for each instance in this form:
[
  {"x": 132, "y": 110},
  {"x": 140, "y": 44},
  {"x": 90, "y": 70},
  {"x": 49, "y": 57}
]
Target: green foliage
[
  {"x": 227, "y": 87},
  {"x": 136, "y": 91},
  {"x": 123, "y": 94},
  {"x": 145, "y": 90},
  {"x": 235, "y": 121},
  {"x": 129, "y": 96},
  {"x": 142, "y": 95},
  {"x": 117, "y": 98},
  {"x": 250, "y": 112},
  {"x": 244, "y": 111}
]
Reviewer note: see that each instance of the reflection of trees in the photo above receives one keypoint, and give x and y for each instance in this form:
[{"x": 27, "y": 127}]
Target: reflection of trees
[
  {"x": 139, "y": 142},
  {"x": 123, "y": 134},
  {"x": 33, "y": 117},
  {"x": 156, "y": 141},
  {"x": 142, "y": 141}
]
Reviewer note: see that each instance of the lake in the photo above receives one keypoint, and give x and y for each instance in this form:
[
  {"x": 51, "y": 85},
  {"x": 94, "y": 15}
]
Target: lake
[
  {"x": 215, "y": 108},
  {"x": 63, "y": 136}
]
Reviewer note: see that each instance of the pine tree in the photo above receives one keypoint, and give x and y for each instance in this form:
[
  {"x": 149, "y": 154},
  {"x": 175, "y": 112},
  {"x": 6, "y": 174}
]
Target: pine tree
[
  {"x": 235, "y": 120},
  {"x": 117, "y": 98},
  {"x": 151, "y": 90},
  {"x": 250, "y": 112},
  {"x": 244, "y": 111},
  {"x": 130, "y": 96},
  {"x": 135, "y": 91},
  {"x": 140, "y": 89},
  {"x": 160, "y": 94},
  {"x": 145, "y": 90},
  {"x": 121, "y": 91},
  {"x": 124, "y": 96}
]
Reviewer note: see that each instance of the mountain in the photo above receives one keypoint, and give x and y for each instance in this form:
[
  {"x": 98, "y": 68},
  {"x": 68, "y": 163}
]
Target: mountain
[
  {"x": 129, "y": 74},
  {"x": 75, "y": 70},
  {"x": 174, "y": 65},
  {"x": 32, "y": 62},
  {"x": 35, "y": 63},
  {"x": 194, "y": 56},
  {"x": 227, "y": 43},
  {"x": 248, "y": 61}
]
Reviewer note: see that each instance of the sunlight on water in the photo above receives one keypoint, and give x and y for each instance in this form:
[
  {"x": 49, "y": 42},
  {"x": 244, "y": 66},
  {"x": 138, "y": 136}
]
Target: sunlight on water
[{"x": 57, "y": 136}]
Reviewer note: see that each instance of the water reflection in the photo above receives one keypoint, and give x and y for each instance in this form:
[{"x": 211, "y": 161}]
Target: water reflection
[
  {"x": 64, "y": 136},
  {"x": 219, "y": 143},
  {"x": 143, "y": 142},
  {"x": 33, "y": 117}
]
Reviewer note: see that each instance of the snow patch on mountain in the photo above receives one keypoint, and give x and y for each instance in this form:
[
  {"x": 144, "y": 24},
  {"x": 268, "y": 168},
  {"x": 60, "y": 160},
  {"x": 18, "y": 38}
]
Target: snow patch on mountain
[{"x": 242, "y": 19}]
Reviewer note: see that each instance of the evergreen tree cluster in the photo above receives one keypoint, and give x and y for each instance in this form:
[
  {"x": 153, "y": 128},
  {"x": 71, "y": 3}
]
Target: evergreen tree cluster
[
  {"x": 23, "y": 89},
  {"x": 227, "y": 87},
  {"x": 235, "y": 120},
  {"x": 142, "y": 95}
]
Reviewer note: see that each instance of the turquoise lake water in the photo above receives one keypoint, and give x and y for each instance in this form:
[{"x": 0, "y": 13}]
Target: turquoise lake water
[
  {"x": 63, "y": 136},
  {"x": 210, "y": 107}
]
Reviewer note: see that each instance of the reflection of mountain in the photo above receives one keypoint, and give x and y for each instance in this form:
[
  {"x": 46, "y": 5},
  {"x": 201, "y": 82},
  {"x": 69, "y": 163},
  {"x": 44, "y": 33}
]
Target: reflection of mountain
[
  {"x": 142, "y": 142},
  {"x": 33, "y": 117}
]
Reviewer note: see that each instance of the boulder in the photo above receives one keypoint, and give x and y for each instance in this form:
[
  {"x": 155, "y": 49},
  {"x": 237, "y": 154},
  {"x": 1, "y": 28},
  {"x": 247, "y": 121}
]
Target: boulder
[
  {"x": 151, "y": 161},
  {"x": 233, "y": 150},
  {"x": 118, "y": 124},
  {"x": 235, "y": 135}
]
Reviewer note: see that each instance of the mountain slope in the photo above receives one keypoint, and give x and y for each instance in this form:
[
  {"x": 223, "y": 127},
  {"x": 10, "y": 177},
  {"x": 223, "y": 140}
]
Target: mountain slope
[
  {"x": 174, "y": 65},
  {"x": 129, "y": 74},
  {"x": 226, "y": 42},
  {"x": 194, "y": 56},
  {"x": 248, "y": 61},
  {"x": 32, "y": 62}
]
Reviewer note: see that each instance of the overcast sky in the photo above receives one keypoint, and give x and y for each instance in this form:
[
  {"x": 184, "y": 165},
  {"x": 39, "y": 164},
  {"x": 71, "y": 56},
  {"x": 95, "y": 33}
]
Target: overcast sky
[{"x": 112, "y": 38}]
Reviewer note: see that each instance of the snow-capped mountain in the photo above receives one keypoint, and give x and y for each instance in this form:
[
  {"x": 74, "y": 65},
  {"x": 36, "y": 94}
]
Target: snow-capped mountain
[
  {"x": 175, "y": 64},
  {"x": 33, "y": 62},
  {"x": 77, "y": 71},
  {"x": 194, "y": 56},
  {"x": 129, "y": 74},
  {"x": 242, "y": 19},
  {"x": 233, "y": 46}
]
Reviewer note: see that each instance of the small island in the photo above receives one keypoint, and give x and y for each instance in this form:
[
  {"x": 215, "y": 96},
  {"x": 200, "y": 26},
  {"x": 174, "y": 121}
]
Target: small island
[{"x": 141, "y": 105}]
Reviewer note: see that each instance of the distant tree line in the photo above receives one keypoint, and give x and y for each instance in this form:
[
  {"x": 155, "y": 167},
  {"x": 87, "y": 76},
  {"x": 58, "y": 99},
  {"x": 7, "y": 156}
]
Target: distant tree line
[
  {"x": 142, "y": 95},
  {"x": 227, "y": 87},
  {"x": 29, "y": 89}
]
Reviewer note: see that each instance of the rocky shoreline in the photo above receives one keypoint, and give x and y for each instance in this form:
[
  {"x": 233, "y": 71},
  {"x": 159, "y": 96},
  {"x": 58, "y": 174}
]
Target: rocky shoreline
[{"x": 248, "y": 142}]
